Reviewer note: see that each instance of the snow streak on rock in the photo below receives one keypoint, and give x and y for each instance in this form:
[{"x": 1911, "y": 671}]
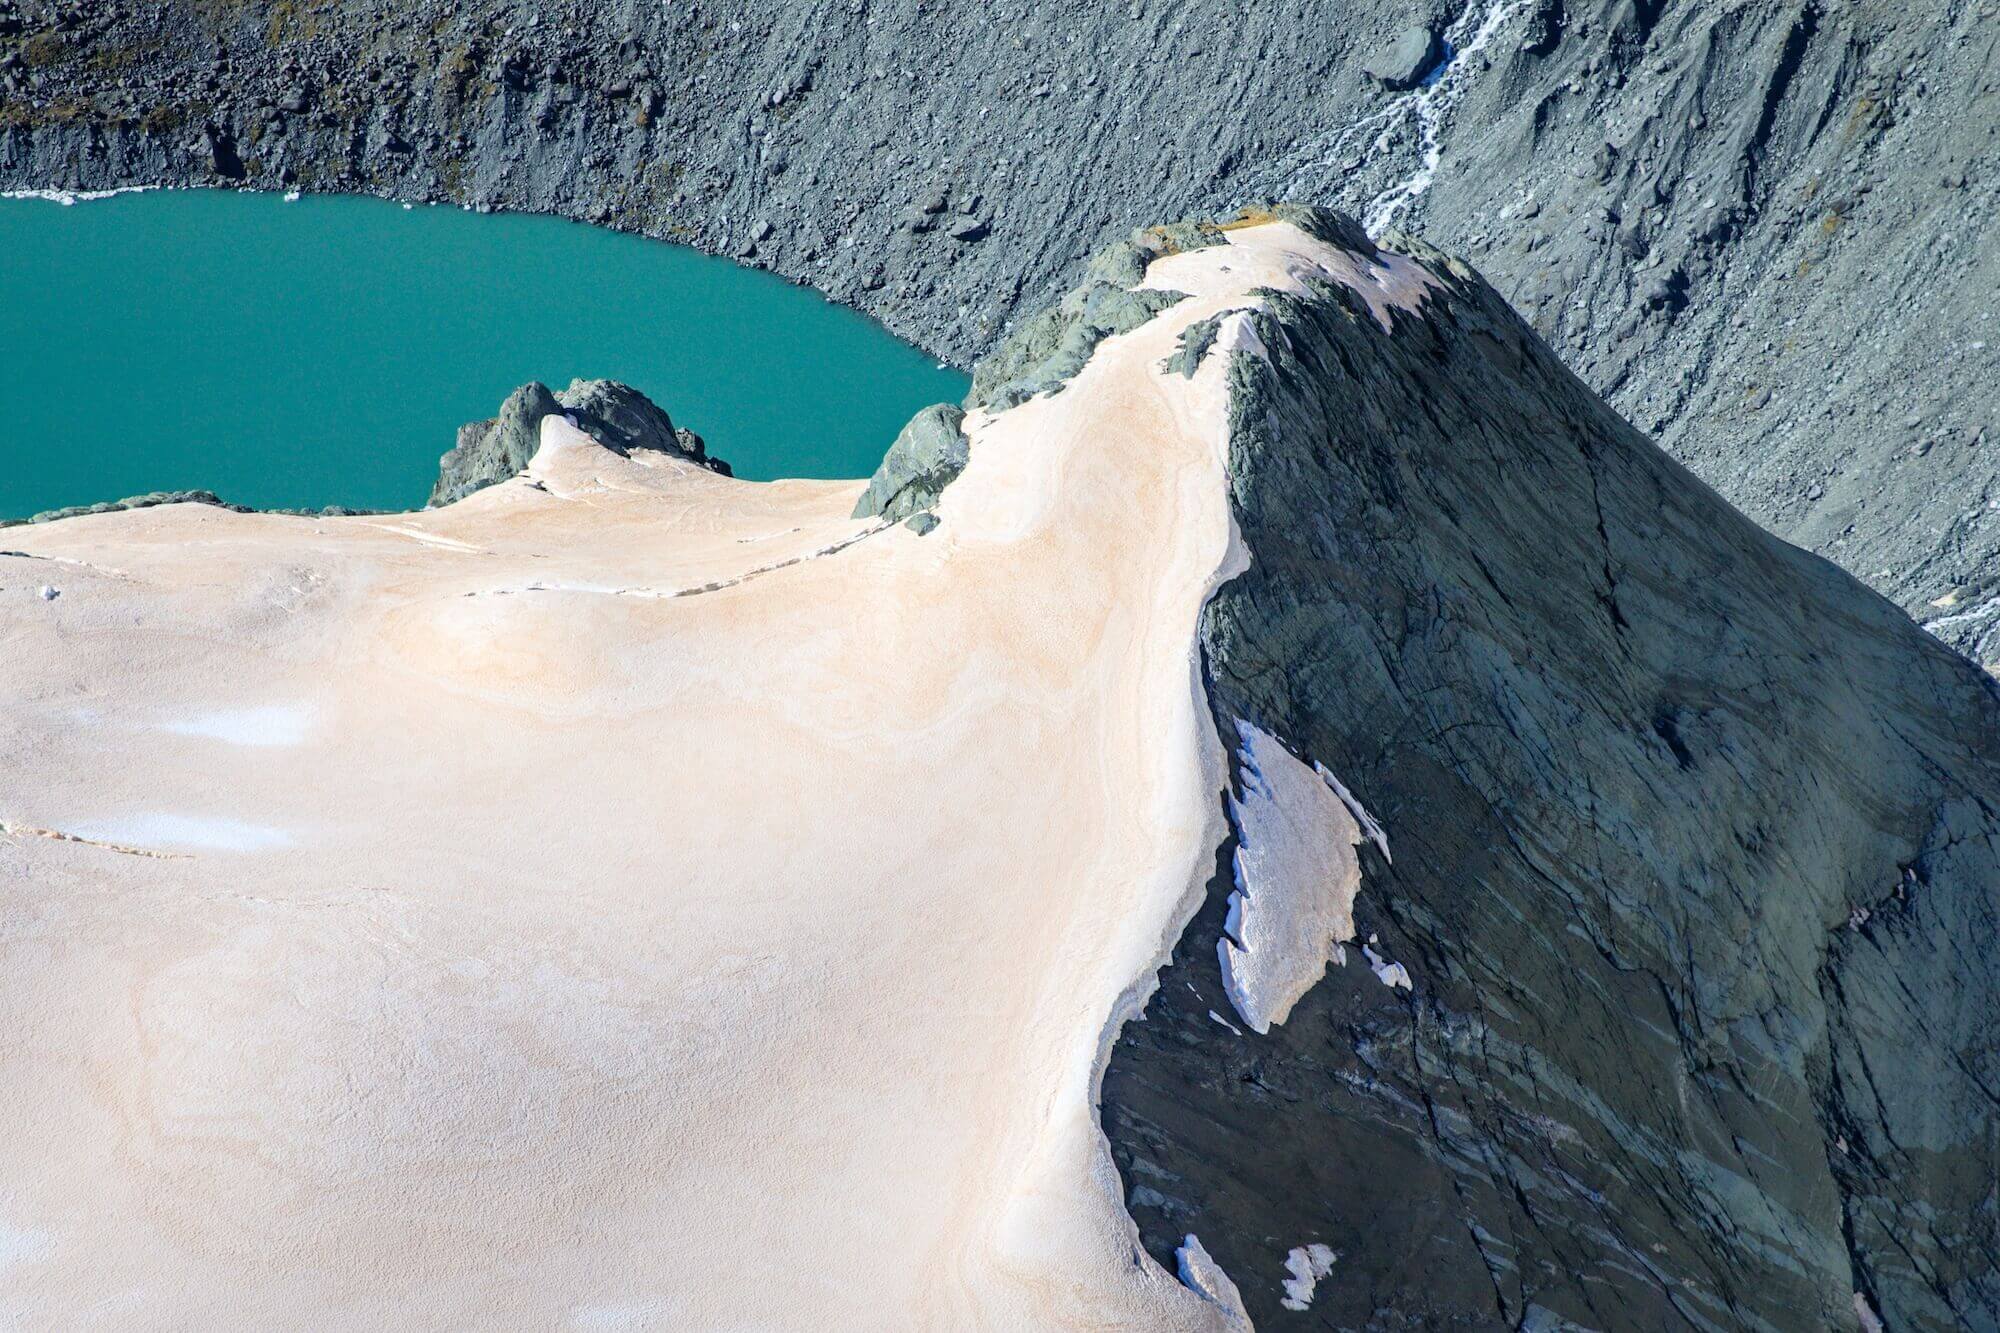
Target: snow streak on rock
[{"x": 1296, "y": 874}]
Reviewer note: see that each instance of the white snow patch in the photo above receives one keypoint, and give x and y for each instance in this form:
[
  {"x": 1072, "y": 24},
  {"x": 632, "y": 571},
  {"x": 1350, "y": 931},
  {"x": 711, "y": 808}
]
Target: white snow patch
[
  {"x": 1865, "y": 1314},
  {"x": 266, "y": 725},
  {"x": 1423, "y": 109},
  {"x": 1218, "y": 1018},
  {"x": 1389, "y": 974},
  {"x": 1296, "y": 875},
  {"x": 1204, "y": 1277},
  {"x": 1984, "y": 611},
  {"x": 186, "y": 832},
  {"x": 624, "y": 1314},
  {"x": 1307, "y": 1265}
]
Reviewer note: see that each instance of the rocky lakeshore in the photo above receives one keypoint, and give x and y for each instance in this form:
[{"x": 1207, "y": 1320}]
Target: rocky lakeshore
[{"x": 1692, "y": 204}]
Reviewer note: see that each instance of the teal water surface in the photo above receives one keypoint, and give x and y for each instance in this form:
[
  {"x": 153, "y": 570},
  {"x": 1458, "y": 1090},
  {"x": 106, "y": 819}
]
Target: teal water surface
[{"x": 324, "y": 351}]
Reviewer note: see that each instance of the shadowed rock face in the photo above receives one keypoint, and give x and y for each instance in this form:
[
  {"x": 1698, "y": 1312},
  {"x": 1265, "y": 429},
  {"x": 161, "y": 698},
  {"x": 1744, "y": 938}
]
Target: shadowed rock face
[
  {"x": 616, "y": 415},
  {"x": 1696, "y": 871}
]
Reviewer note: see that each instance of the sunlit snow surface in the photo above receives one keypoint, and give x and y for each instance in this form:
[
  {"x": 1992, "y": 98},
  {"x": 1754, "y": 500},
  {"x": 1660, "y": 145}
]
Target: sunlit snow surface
[
  {"x": 621, "y": 953},
  {"x": 162, "y": 829},
  {"x": 260, "y": 726}
]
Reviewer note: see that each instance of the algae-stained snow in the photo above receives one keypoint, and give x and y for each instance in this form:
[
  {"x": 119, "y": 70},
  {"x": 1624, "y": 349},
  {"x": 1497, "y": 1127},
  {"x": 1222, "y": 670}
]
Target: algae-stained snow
[{"x": 627, "y": 896}]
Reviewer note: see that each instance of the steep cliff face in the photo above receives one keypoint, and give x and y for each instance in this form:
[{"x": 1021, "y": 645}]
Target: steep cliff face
[
  {"x": 1763, "y": 229},
  {"x": 1676, "y": 1004}
]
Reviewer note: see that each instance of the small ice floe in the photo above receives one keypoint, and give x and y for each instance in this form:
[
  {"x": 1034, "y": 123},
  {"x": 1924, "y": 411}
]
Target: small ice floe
[
  {"x": 159, "y": 829},
  {"x": 47, "y": 593},
  {"x": 1200, "y": 1274},
  {"x": 291, "y": 196},
  {"x": 264, "y": 726},
  {"x": 1296, "y": 876},
  {"x": 1307, "y": 1265},
  {"x": 1389, "y": 974}
]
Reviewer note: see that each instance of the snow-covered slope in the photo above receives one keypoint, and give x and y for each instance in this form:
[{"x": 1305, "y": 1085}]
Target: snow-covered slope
[{"x": 626, "y": 895}]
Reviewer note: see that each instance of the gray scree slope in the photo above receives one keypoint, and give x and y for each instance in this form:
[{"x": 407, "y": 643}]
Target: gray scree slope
[
  {"x": 1762, "y": 228},
  {"x": 1696, "y": 870}
]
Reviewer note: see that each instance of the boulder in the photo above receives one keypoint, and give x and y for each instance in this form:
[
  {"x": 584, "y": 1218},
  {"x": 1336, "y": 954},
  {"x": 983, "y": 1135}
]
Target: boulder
[
  {"x": 1404, "y": 62},
  {"x": 928, "y": 453}
]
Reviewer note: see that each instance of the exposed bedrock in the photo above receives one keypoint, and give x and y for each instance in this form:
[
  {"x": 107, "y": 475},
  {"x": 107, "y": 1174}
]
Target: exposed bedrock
[
  {"x": 616, "y": 415},
  {"x": 1696, "y": 869},
  {"x": 1763, "y": 229},
  {"x": 926, "y": 454}
]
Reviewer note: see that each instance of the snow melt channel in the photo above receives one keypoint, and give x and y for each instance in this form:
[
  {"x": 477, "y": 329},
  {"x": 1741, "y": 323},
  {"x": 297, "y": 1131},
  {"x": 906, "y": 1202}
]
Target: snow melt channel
[{"x": 1296, "y": 875}]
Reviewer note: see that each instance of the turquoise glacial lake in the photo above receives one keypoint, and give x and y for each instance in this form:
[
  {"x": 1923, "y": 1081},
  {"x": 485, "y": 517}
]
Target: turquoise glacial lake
[{"x": 325, "y": 351}]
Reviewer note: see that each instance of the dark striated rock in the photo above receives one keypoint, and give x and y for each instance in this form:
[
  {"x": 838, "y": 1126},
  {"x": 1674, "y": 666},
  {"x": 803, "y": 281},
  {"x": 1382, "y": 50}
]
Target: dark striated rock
[
  {"x": 928, "y": 453},
  {"x": 616, "y": 415},
  {"x": 1696, "y": 869},
  {"x": 622, "y": 419}
]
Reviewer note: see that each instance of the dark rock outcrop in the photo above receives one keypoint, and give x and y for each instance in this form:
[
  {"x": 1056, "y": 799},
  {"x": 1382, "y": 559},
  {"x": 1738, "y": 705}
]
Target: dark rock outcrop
[
  {"x": 927, "y": 454},
  {"x": 146, "y": 501},
  {"x": 616, "y": 415},
  {"x": 495, "y": 449},
  {"x": 1696, "y": 869}
]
